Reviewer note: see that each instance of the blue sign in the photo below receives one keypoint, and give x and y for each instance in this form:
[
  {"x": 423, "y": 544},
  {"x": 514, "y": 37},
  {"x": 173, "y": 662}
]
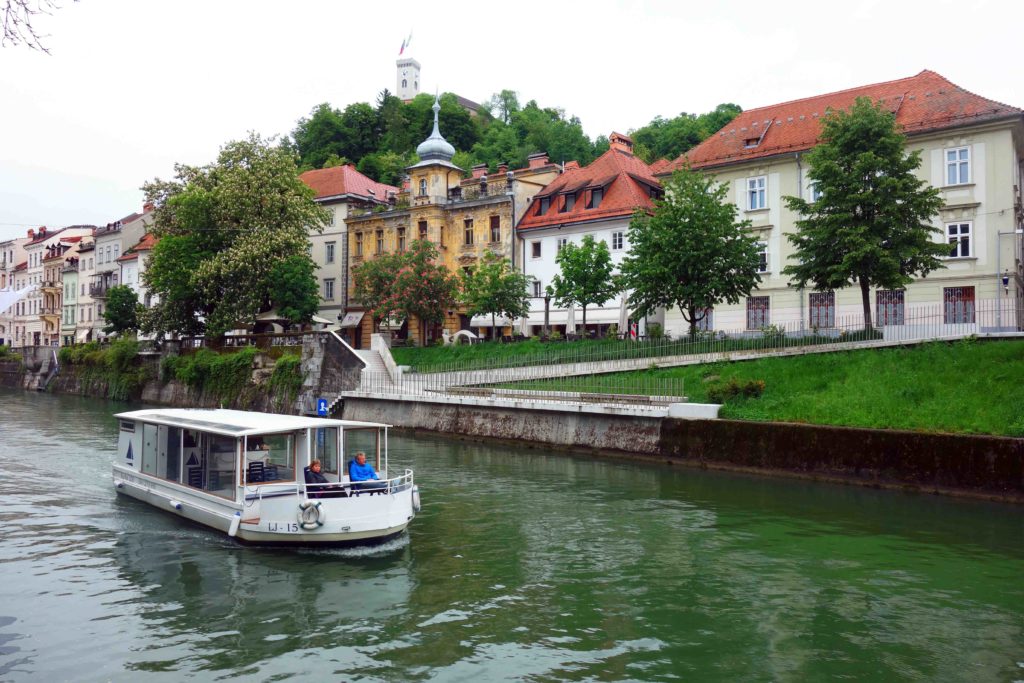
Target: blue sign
[{"x": 321, "y": 406}]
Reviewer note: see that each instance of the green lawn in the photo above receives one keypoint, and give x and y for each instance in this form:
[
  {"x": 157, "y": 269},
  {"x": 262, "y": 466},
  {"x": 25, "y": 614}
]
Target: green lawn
[{"x": 963, "y": 387}]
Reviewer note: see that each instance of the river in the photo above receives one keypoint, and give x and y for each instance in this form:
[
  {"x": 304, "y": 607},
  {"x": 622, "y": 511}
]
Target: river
[{"x": 523, "y": 565}]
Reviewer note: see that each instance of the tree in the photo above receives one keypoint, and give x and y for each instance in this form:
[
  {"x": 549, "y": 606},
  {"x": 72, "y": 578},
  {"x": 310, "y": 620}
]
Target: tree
[
  {"x": 587, "y": 275},
  {"x": 423, "y": 288},
  {"x": 295, "y": 295},
  {"x": 225, "y": 229},
  {"x": 668, "y": 138},
  {"x": 690, "y": 253},
  {"x": 503, "y": 105},
  {"x": 18, "y": 20},
  {"x": 122, "y": 311},
  {"x": 494, "y": 288},
  {"x": 871, "y": 224},
  {"x": 373, "y": 286}
]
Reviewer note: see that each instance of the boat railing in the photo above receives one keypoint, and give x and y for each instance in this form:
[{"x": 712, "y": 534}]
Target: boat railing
[{"x": 393, "y": 485}]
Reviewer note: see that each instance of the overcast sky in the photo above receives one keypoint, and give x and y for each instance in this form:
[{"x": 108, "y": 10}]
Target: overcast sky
[{"x": 133, "y": 86}]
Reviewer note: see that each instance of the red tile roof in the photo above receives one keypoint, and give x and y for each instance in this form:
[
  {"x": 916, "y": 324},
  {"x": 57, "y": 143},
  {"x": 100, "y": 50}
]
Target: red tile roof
[
  {"x": 924, "y": 102},
  {"x": 44, "y": 235},
  {"x": 625, "y": 179},
  {"x": 660, "y": 165},
  {"x": 144, "y": 244},
  {"x": 21, "y": 266},
  {"x": 339, "y": 180}
]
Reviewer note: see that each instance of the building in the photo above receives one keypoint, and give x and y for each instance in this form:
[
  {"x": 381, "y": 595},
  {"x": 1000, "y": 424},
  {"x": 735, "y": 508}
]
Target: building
[
  {"x": 463, "y": 218},
  {"x": 85, "y": 306},
  {"x": 407, "y": 81},
  {"x": 133, "y": 269},
  {"x": 12, "y": 254},
  {"x": 39, "y": 317},
  {"x": 52, "y": 314},
  {"x": 69, "y": 309},
  {"x": 597, "y": 200},
  {"x": 111, "y": 241},
  {"x": 971, "y": 149},
  {"x": 341, "y": 190}
]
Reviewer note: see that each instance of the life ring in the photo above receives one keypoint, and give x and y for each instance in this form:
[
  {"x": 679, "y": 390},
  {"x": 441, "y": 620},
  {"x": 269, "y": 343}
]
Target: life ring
[
  {"x": 311, "y": 515},
  {"x": 416, "y": 498}
]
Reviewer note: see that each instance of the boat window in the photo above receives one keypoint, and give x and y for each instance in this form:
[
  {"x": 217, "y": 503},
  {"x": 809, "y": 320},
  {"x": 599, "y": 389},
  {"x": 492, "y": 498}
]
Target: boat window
[
  {"x": 169, "y": 452},
  {"x": 325, "y": 449},
  {"x": 212, "y": 468},
  {"x": 270, "y": 458},
  {"x": 365, "y": 440}
]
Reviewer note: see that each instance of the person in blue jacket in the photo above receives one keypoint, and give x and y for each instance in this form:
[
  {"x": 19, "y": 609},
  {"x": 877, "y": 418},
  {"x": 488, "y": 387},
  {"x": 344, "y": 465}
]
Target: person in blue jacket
[{"x": 359, "y": 470}]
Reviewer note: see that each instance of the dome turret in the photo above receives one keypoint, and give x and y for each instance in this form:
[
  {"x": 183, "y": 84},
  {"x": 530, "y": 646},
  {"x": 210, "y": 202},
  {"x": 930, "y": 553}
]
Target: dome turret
[{"x": 435, "y": 148}]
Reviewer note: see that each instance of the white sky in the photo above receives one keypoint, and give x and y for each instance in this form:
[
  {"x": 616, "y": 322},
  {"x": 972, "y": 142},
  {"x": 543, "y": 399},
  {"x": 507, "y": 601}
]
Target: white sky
[{"x": 134, "y": 86}]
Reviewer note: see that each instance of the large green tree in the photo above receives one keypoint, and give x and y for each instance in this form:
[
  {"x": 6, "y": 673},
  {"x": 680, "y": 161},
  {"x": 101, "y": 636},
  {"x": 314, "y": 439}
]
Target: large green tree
[
  {"x": 871, "y": 225},
  {"x": 586, "y": 275},
  {"x": 668, "y": 138},
  {"x": 226, "y": 229},
  {"x": 494, "y": 288},
  {"x": 122, "y": 310},
  {"x": 690, "y": 253}
]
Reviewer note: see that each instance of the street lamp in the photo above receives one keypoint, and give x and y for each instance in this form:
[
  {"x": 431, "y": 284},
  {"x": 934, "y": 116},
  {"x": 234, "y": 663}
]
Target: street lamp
[{"x": 1006, "y": 281}]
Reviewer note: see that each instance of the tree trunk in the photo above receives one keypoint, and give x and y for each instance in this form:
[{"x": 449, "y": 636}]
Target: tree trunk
[
  {"x": 584, "y": 320},
  {"x": 693, "y": 323},
  {"x": 865, "y": 296},
  {"x": 494, "y": 329}
]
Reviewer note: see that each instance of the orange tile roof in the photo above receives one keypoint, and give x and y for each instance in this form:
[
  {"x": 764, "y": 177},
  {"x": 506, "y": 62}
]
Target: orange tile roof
[
  {"x": 339, "y": 180},
  {"x": 624, "y": 177},
  {"x": 144, "y": 244},
  {"x": 924, "y": 102},
  {"x": 660, "y": 165}
]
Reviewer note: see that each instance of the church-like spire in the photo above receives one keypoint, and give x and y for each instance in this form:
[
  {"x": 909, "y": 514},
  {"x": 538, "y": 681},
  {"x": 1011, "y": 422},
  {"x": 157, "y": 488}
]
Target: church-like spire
[{"x": 436, "y": 148}]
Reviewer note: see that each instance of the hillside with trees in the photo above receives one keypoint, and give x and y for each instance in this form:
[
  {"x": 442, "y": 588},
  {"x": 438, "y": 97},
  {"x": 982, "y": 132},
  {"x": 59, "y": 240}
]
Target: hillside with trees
[{"x": 381, "y": 138}]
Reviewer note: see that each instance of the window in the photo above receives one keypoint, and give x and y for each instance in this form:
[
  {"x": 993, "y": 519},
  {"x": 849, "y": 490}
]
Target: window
[
  {"x": 330, "y": 217},
  {"x": 762, "y": 253},
  {"x": 495, "y": 228},
  {"x": 617, "y": 240},
  {"x": 380, "y": 242},
  {"x": 596, "y": 195},
  {"x": 329, "y": 289},
  {"x": 440, "y": 236},
  {"x": 423, "y": 230},
  {"x": 83, "y": 289},
  {"x": 815, "y": 192},
  {"x": 889, "y": 307},
  {"x": 823, "y": 309},
  {"x": 959, "y": 237},
  {"x": 958, "y": 305},
  {"x": 329, "y": 252},
  {"x": 117, "y": 248},
  {"x": 958, "y": 166},
  {"x": 359, "y": 244},
  {"x": 562, "y": 241},
  {"x": 569, "y": 202},
  {"x": 468, "y": 232},
  {"x": 423, "y": 187},
  {"x": 756, "y": 197},
  {"x": 537, "y": 288},
  {"x": 535, "y": 249},
  {"x": 758, "y": 312},
  {"x": 400, "y": 239},
  {"x": 545, "y": 204},
  {"x": 405, "y": 83}
]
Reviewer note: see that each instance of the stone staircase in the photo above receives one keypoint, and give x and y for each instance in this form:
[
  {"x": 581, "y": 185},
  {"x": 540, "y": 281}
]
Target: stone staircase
[{"x": 375, "y": 377}]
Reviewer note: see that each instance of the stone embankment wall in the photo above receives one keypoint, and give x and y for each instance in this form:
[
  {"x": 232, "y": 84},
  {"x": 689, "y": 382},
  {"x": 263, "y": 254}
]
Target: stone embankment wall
[{"x": 974, "y": 466}]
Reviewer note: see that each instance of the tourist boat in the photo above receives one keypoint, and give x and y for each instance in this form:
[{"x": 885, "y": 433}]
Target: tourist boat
[{"x": 244, "y": 473}]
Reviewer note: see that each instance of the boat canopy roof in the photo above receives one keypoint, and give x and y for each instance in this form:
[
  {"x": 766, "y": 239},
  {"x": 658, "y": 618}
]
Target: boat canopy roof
[{"x": 237, "y": 422}]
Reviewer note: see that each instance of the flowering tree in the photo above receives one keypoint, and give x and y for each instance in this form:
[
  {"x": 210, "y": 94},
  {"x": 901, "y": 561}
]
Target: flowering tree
[
  {"x": 373, "y": 286},
  {"x": 423, "y": 288},
  {"x": 226, "y": 229}
]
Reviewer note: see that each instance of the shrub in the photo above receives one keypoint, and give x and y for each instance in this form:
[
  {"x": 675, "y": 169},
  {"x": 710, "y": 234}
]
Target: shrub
[
  {"x": 773, "y": 333},
  {"x": 286, "y": 380},
  {"x": 221, "y": 375},
  {"x": 720, "y": 392}
]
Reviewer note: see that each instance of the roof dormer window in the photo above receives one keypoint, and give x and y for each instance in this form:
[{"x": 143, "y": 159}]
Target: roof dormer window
[
  {"x": 569, "y": 202},
  {"x": 750, "y": 143},
  {"x": 545, "y": 204},
  {"x": 596, "y": 195}
]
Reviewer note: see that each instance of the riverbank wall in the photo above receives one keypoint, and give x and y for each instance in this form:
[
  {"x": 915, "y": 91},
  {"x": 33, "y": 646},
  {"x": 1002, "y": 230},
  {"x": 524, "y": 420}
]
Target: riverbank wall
[{"x": 961, "y": 465}]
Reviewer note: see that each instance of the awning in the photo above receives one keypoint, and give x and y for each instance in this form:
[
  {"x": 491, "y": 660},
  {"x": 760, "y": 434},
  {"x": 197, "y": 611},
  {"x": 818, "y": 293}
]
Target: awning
[
  {"x": 320, "y": 321},
  {"x": 352, "y": 318},
  {"x": 485, "y": 321},
  {"x": 560, "y": 316},
  {"x": 82, "y": 334}
]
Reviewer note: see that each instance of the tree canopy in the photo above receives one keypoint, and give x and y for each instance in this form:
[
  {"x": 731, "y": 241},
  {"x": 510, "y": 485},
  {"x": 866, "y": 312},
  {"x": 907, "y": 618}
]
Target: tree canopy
[
  {"x": 122, "y": 310},
  {"x": 871, "y": 222},
  {"x": 668, "y": 138},
  {"x": 587, "y": 275},
  {"x": 227, "y": 232},
  {"x": 494, "y": 288},
  {"x": 690, "y": 253}
]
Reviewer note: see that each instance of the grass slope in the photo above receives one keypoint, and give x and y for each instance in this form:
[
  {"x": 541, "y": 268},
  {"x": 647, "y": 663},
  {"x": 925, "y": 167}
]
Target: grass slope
[{"x": 964, "y": 387}]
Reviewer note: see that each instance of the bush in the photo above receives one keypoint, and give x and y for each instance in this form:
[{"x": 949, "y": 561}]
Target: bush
[
  {"x": 720, "y": 392},
  {"x": 220, "y": 375},
  {"x": 286, "y": 380}
]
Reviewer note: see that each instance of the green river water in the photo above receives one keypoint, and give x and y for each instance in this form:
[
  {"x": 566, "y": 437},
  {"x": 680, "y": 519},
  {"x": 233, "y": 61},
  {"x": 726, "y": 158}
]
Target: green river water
[{"x": 523, "y": 565}]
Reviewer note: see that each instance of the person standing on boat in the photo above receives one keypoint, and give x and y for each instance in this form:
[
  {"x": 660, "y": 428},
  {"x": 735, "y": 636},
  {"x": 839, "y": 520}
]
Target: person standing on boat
[{"x": 360, "y": 470}]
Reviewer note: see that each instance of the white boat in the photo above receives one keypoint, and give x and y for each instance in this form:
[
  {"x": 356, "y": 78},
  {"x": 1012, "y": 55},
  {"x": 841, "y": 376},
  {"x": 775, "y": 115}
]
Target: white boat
[{"x": 244, "y": 473}]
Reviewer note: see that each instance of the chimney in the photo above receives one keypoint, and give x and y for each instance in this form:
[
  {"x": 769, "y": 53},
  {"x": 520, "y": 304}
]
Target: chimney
[
  {"x": 537, "y": 159},
  {"x": 502, "y": 168},
  {"x": 479, "y": 170},
  {"x": 31, "y": 233},
  {"x": 621, "y": 142},
  {"x": 147, "y": 207}
]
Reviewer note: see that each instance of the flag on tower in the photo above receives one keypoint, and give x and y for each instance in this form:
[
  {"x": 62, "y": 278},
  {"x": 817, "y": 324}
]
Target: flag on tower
[{"x": 405, "y": 44}]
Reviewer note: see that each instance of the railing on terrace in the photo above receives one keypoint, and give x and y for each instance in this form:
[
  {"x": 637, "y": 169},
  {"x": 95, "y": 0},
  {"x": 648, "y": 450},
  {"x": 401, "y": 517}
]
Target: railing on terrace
[
  {"x": 492, "y": 189},
  {"x": 956, "y": 318},
  {"x": 260, "y": 341}
]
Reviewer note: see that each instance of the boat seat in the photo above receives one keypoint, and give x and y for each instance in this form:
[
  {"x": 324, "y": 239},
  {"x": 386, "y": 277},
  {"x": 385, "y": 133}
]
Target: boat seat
[{"x": 195, "y": 477}]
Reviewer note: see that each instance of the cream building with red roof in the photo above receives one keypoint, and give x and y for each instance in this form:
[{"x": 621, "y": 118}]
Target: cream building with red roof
[
  {"x": 971, "y": 149},
  {"x": 597, "y": 200}
]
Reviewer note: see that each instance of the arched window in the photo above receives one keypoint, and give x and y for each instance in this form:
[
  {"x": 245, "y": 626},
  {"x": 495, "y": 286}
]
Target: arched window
[
  {"x": 405, "y": 83},
  {"x": 423, "y": 187}
]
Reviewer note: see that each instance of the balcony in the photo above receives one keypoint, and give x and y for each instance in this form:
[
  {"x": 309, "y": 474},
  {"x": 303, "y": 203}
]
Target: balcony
[
  {"x": 497, "y": 188},
  {"x": 50, "y": 312},
  {"x": 50, "y": 284},
  {"x": 99, "y": 290}
]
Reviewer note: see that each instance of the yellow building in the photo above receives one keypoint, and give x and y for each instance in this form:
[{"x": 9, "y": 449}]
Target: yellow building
[{"x": 463, "y": 218}]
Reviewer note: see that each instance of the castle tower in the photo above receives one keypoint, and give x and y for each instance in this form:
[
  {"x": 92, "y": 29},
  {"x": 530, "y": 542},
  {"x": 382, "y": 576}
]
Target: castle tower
[{"x": 408, "y": 81}]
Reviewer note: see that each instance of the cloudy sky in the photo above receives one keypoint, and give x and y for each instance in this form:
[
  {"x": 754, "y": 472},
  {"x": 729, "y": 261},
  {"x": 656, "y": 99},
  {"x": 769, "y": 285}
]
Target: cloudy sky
[{"x": 133, "y": 86}]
